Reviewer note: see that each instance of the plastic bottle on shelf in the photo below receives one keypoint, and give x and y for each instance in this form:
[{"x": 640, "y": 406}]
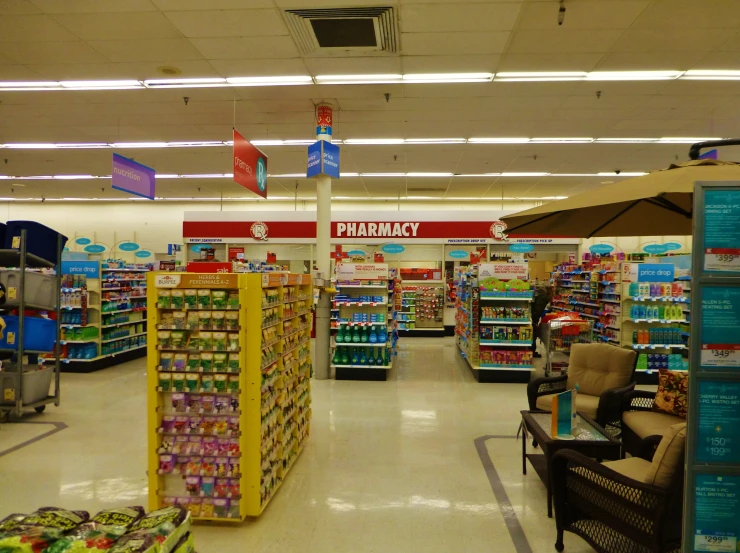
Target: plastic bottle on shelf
[
  {"x": 363, "y": 357},
  {"x": 355, "y": 357},
  {"x": 337, "y": 360},
  {"x": 634, "y": 289},
  {"x": 345, "y": 357},
  {"x": 373, "y": 337},
  {"x": 363, "y": 335},
  {"x": 339, "y": 338},
  {"x": 382, "y": 335}
]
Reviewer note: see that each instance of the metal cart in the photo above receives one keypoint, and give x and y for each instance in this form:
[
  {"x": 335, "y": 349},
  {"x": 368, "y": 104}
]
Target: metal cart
[
  {"x": 558, "y": 336},
  {"x": 25, "y": 390}
]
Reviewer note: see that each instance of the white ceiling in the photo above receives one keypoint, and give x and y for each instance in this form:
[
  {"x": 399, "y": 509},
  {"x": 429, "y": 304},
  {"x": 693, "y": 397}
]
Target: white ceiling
[{"x": 42, "y": 40}]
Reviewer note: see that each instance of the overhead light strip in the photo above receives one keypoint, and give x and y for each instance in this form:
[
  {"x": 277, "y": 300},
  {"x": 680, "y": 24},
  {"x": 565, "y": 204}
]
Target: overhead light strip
[{"x": 379, "y": 78}]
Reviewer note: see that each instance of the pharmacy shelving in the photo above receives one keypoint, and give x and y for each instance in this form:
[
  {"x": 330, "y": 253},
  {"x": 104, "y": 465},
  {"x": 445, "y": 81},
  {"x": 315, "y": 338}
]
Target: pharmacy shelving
[
  {"x": 229, "y": 367},
  {"x": 422, "y": 309},
  {"x": 362, "y": 343}
]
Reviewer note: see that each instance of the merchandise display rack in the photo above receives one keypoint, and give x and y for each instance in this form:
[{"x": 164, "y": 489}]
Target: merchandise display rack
[
  {"x": 229, "y": 366},
  {"x": 422, "y": 310},
  {"x": 363, "y": 346},
  {"x": 26, "y": 390}
]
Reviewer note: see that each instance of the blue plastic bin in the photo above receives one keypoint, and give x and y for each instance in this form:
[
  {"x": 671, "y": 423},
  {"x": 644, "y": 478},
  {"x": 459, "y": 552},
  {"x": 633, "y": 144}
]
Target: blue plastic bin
[
  {"x": 40, "y": 239},
  {"x": 38, "y": 334}
]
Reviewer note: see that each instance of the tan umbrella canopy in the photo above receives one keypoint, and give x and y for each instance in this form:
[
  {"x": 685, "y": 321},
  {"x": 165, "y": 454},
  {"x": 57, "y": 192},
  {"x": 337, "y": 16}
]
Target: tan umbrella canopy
[{"x": 656, "y": 204}]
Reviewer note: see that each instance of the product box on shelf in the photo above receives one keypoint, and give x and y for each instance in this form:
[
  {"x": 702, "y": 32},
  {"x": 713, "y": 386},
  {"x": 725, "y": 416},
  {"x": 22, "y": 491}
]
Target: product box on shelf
[{"x": 229, "y": 388}]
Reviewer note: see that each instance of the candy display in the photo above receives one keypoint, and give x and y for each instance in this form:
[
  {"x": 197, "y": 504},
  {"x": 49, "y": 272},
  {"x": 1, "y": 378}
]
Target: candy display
[{"x": 210, "y": 421}]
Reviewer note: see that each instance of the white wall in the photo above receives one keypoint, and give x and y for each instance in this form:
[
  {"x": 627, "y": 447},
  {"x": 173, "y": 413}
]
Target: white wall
[{"x": 153, "y": 225}]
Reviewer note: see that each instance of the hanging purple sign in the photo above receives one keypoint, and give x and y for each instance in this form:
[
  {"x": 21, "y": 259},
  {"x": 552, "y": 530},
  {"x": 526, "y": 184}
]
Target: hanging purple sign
[{"x": 132, "y": 177}]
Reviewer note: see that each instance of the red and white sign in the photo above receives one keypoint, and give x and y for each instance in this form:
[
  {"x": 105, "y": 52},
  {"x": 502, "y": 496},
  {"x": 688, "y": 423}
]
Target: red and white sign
[
  {"x": 250, "y": 166},
  {"x": 236, "y": 253},
  {"x": 361, "y": 227},
  {"x": 504, "y": 271},
  {"x": 206, "y": 267},
  {"x": 497, "y": 231},
  {"x": 722, "y": 259},
  {"x": 324, "y": 116},
  {"x": 363, "y": 271}
]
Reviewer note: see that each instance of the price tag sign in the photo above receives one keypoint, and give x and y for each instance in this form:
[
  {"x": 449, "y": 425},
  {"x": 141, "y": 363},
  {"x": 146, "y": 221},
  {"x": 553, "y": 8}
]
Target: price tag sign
[
  {"x": 715, "y": 543},
  {"x": 720, "y": 355},
  {"x": 722, "y": 259}
]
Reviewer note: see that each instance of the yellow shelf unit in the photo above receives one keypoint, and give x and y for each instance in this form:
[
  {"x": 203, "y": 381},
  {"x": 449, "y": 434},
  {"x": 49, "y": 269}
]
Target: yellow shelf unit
[{"x": 268, "y": 410}]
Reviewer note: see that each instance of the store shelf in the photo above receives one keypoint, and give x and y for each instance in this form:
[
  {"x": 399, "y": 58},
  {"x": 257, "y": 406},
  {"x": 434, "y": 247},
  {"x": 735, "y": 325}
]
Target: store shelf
[
  {"x": 383, "y": 286},
  {"x": 505, "y": 322},
  {"x": 359, "y": 303},
  {"x": 488, "y": 367},
  {"x": 487, "y": 298},
  {"x": 12, "y": 258},
  {"x": 518, "y": 344},
  {"x": 383, "y": 323},
  {"x": 120, "y": 270},
  {"x": 89, "y": 340},
  {"x": 102, "y": 356},
  {"x": 123, "y": 324},
  {"x": 360, "y": 366},
  {"x": 361, "y": 344},
  {"x": 122, "y": 338},
  {"x": 605, "y": 300},
  {"x": 658, "y": 346},
  {"x": 681, "y": 299},
  {"x": 661, "y": 321}
]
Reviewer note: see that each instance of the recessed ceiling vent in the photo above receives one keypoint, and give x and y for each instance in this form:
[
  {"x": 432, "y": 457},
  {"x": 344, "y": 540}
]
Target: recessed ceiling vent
[{"x": 333, "y": 31}]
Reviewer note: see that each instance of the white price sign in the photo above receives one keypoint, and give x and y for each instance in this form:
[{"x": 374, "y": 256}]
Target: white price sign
[
  {"x": 715, "y": 544},
  {"x": 720, "y": 356},
  {"x": 722, "y": 260}
]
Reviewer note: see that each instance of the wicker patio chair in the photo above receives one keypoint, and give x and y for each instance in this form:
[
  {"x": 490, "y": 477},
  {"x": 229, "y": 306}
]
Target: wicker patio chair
[{"x": 643, "y": 428}]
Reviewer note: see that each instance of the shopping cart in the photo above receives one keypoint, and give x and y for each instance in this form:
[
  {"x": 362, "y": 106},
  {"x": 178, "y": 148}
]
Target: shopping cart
[{"x": 558, "y": 336}]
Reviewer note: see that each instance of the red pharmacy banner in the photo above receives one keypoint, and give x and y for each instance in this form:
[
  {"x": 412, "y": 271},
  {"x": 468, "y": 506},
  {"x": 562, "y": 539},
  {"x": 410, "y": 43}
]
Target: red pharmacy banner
[{"x": 250, "y": 166}]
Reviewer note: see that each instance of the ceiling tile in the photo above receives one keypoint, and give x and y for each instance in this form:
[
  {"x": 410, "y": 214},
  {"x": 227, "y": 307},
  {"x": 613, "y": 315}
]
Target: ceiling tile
[
  {"x": 18, "y": 73},
  {"x": 452, "y": 17},
  {"x": 156, "y": 49},
  {"x": 173, "y": 5},
  {"x": 94, "y": 6},
  {"x": 354, "y": 65},
  {"x": 549, "y": 62},
  {"x": 246, "y": 48},
  {"x": 732, "y": 45},
  {"x": 136, "y": 70},
  {"x": 228, "y": 23},
  {"x": 425, "y": 44},
  {"x": 686, "y": 14},
  {"x": 453, "y": 64},
  {"x": 601, "y": 14},
  {"x": 32, "y": 28},
  {"x": 124, "y": 26},
  {"x": 259, "y": 67},
  {"x": 645, "y": 61},
  {"x": 51, "y": 52},
  {"x": 18, "y": 7},
  {"x": 562, "y": 41},
  {"x": 720, "y": 60},
  {"x": 656, "y": 40}
]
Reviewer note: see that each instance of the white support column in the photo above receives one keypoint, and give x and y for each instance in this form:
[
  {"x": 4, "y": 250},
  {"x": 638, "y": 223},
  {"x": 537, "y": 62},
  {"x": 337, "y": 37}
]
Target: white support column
[{"x": 323, "y": 264}]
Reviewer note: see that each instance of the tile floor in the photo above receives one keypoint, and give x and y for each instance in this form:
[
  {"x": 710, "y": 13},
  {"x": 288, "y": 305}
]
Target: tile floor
[{"x": 389, "y": 467}]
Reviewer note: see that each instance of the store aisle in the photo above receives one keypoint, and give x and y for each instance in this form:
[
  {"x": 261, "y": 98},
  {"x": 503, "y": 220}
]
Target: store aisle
[{"x": 389, "y": 467}]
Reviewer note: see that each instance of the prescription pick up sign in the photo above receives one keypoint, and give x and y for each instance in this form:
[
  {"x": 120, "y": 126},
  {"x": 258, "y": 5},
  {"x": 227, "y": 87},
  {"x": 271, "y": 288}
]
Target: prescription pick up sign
[{"x": 250, "y": 166}]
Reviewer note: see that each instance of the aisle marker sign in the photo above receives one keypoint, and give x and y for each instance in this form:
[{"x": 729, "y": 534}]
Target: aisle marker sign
[
  {"x": 250, "y": 166},
  {"x": 132, "y": 177},
  {"x": 323, "y": 159}
]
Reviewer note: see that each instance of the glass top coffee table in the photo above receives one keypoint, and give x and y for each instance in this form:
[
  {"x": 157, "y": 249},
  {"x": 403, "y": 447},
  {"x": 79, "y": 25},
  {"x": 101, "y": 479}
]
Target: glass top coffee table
[{"x": 588, "y": 438}]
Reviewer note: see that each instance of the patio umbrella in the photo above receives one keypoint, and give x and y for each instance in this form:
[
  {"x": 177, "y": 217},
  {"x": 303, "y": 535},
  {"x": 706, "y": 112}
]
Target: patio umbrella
[{"x": 656, "y": 204}]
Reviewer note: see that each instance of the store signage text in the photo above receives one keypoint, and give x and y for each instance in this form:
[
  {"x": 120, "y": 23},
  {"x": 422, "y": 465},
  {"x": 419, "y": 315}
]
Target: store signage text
[
  {"x": 376, "y": 229},
  {"x": 89, "y": 268},
  {"x": 250, "y": 166},
  {"x": 130, "y": 176},
  {"x": 655, "y": 272}
]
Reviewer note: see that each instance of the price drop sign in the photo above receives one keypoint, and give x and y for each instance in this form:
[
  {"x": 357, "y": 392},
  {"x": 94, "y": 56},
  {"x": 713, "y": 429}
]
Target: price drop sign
[
  {"x": 720, "y": 328},
  {"x": 722, "y": 231}
]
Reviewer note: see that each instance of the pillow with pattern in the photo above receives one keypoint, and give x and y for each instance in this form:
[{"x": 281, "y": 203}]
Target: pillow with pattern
[{"x": 672, "y": 394}]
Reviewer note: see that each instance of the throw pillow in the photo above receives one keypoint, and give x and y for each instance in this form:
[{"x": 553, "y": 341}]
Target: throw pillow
[{"x": 672, "y": 395}]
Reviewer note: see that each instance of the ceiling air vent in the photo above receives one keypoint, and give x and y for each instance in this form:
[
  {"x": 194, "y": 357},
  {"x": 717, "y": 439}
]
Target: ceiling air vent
[{"x": 333, "y": 31}]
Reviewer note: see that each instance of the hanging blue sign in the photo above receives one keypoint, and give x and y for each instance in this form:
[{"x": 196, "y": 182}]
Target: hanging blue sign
[
  {"x": 83, "y": 241},
  {"x": 95, "y": 248},
  {"x": 670, "y": 246},
  {"x": 143, "y": 253},
  {"x": 521, "y": 248},
  {"x": 655, "y": 248},
  {"x": 89, "y": 268},
  {"x": 323, "y": 159},
  {"x": 393, "y": 248},
  {"x": 458, "y": 254},
  {"x": 128, "y": 247},
  {"x": 655, "y": 272},
  {"x": 313, "y": 168},
  {"x": 601, "y": 249},
  {"x": 356, "y": 252}
]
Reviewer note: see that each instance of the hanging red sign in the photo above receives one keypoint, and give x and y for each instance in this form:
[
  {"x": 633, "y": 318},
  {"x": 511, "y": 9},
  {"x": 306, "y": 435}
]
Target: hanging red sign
[
  {"x": 323, "y": 116},
  {"x": 250, "y": 166}
]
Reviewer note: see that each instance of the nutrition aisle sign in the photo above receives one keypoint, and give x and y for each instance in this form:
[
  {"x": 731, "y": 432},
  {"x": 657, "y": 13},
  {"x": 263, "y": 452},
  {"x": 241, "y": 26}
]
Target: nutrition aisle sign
[
  {"x": 712, "y": 491},
  {"x": 132, "y": 177}
]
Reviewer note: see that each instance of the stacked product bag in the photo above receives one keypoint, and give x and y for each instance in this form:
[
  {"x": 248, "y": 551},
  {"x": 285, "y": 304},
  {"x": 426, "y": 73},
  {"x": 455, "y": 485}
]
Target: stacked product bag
[{"x": 123, "y": 530}]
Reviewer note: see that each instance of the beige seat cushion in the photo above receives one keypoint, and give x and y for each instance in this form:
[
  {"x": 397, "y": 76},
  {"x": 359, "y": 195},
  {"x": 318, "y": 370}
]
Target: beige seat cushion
[
  {"x": 649, "y": 423},
  {"x": 668, "y": 457},
  {"x": 597, "y": 368},
  {"x": 587, "y": 405},
  {"x": 632, "y": 467}
]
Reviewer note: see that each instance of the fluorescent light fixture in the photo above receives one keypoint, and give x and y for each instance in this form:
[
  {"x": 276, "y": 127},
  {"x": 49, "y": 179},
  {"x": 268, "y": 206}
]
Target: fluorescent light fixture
[
  {"x": 563, "y": 140},
  {"x": 683, "y": 140},
  {"x": 288, "y": 176},
  {"x": 76, "y": 177},
  {"x": 37, "y": 85},
  {"x": 167, "y": 176},
  {"x": 82, "y": 146},
  {"x": 524, "y": 174},
  {"x": 621, "y": 174},
  {"x": 477, "y": 175},
  {"x": 139, "y": 145},
  {"x": 435, "y": 141},
  {"x": 498, "y": 140},
  {"x": 358, "y": 79},
  {"x": 412, "y": 78},
  {"x": 574, "y": 174},
  {"x": 106, "y": 85},
  {"x": 382, "y": 174},
  {"x": 373, "y": 141},
  {"x": 433, "y": 174},
  {"x": 208, "y": 176},
  {"x": 266, "y": 142},
  {"x": 35, "y": 177},
  {"x": 196, "y": 144},
  {"x": 626, "y": 140},
  {"x": 349, "y": 174},
  {"x": 37, "y": 146},
  {"x": 301, "y": 142},
  {"x": 633, "y": 75},
  {"x": 270, "y": 81},
  {"x": 712, "y": 75},
  {"x": 182, "y": 83},
  {"x": 539, "y": 76}
]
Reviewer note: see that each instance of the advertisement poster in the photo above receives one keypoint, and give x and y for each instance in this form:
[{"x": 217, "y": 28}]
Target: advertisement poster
[
  {"x": 364, "y": 271},
  {"x": 722, "y": 231},
  {"x": 717, "y": 514},
  {"x": 719, "y": 422},
  {"x": 720, "y": 328},
  {"x": 503, "y": 271}
]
